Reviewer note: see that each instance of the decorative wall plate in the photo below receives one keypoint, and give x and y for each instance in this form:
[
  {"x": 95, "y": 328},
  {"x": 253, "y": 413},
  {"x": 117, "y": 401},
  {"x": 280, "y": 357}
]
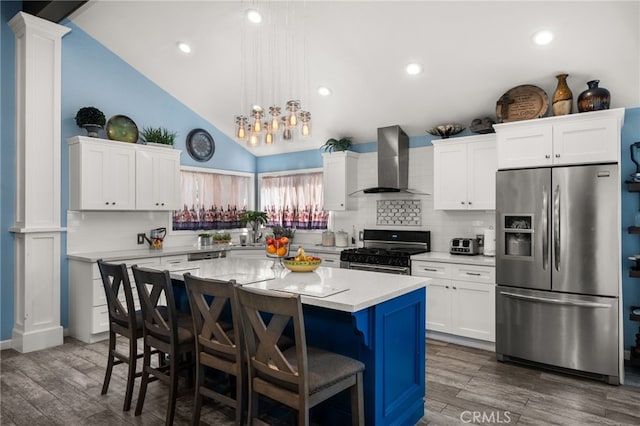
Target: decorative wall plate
[
  {"x": 522, "y": 103},
  {"x": 200, "y": 145},
  {"x": 122, "y": 128}
]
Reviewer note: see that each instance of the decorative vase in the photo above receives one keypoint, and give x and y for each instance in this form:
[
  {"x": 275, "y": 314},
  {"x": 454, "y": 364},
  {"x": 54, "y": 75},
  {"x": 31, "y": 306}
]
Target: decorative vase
[
  {"x": 562, "y": 97},
  {"x": 594, "y": 98},
  {"x": 92, "y": 129}
]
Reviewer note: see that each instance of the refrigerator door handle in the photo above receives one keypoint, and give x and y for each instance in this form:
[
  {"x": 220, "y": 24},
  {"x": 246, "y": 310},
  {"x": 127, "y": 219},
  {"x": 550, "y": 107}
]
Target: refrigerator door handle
[
  {"x": 556, "y": 228},
  {"x": 557, "y": 301},
  {"x": 545, "y": 228}
]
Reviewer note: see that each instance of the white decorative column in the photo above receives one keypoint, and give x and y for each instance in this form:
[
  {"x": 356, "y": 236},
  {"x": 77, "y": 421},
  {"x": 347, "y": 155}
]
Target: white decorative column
[{"x": 37, "y": 206}]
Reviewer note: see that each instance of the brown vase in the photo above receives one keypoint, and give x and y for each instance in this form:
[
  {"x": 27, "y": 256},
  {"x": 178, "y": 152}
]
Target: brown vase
[
  {"x": 594, "y": 98},
  {"x": 562, "y": 97}
]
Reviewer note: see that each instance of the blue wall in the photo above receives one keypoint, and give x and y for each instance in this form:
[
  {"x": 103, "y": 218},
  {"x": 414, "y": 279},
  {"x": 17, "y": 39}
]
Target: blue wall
[
  {"x": 92, "y": 75},
  {"x": 630, "y": 243},
  {"x": 7, "y": 170}
]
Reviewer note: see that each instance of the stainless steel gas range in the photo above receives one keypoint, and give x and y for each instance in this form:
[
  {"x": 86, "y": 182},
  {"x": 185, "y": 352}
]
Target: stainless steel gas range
[{"x": 386, "y": 251}]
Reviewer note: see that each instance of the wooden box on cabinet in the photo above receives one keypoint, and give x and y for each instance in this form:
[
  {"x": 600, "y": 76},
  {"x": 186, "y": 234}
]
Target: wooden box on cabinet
[
  {"x": 589, "y": 137},
  {"x": 339, "y": 180},
  {"x": 464, "y": 173},
  {"x": 460, "y": 298}
]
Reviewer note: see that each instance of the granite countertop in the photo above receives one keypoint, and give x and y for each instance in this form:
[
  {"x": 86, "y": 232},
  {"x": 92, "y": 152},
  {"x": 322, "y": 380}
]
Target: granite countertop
[
  {"x": 436, "y": 256},
  {"x": 345, "y": 290}
]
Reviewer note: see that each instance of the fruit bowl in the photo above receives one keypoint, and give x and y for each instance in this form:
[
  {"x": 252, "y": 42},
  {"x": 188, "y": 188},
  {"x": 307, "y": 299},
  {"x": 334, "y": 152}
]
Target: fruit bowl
[
  {"x": 277, "y": 247},
  {"x": 301, "y": 265}
]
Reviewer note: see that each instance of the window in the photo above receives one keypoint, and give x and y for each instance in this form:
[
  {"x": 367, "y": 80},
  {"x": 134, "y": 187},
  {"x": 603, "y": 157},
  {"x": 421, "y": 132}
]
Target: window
[
  {"x": 294, "y": 201},
  {"x": 212, "y": 200}
]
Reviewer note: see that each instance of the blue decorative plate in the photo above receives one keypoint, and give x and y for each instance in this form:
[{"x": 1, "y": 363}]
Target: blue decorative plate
[{"x": 122, "y": 128}]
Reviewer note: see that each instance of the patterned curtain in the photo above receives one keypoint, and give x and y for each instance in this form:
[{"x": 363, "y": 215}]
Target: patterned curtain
[
  {"x": 294, "y": 201},
  {"x": 211, "y": 201}
]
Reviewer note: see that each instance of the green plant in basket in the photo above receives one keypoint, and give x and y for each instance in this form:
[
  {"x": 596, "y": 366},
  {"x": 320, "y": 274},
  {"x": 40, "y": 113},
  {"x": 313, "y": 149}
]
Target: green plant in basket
[{"x": 158, "y": 135}]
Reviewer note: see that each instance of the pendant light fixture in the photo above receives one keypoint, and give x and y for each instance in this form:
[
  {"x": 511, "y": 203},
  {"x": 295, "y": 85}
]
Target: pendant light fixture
[{"x": 273, "y": 64}]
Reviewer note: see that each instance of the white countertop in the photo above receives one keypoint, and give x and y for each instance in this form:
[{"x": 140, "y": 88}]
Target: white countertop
[
  {"x": 436, "y": 256},
  {"x": 352, "y": 290},
  {"x": 146, "y": 252}
]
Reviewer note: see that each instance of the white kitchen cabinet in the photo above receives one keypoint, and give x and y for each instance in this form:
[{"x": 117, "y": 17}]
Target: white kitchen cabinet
[
  {"x": 590, "y": 137},
  {"x": 111, "y": 175},
  {"x": 88, "y": 311},
  {"x": 464, "y": 173},
  {"x": 101, "y": 175},
  {"x": 339, "y": 180},
  {"x": 157, "y": 179},
  {"x": 460, "y": 298},
  {"x": 329, "y": 260}
]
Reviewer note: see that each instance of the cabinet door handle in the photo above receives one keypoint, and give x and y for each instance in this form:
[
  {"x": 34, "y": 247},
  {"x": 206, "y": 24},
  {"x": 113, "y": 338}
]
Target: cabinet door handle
[
  {"x": 547, "y": 156},
  {"x": 446, "y": 286},
  {"x": 430, "y": 270},
  {"x": 461, "y": 202},
  {"x": 113, "y": 203},
  {"x": 106, "y": 203},
  {"x": 454, "y": 287},
  {"x": 157, "y": 204},
  {"x": 557, "y": 155},
  {"x": 162, "y": 204},
  {"x": 475, "y": 274},
  {"x": 470, "y": 203}
]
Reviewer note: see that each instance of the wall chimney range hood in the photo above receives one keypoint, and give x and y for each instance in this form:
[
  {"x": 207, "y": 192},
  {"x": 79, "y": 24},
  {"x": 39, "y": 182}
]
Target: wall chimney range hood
[{"x": 393, "y": 163}]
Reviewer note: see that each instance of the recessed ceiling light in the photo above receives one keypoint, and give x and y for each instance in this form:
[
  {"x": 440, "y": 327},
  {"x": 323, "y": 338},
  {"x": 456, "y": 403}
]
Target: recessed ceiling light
[
  {"x": 254, "y": 16},
  {"x": 184, "y": 47},
  {"x": 543, "y": 37},
  {"x": 324, "y": 91},
  {"x": 414, "y": 69}
]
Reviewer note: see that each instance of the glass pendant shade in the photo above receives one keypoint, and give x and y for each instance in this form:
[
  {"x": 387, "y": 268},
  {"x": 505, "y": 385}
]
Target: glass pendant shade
[
  {"x": 305, "y": 117},
  {"x": 241, "y": 130},
  {"x": 275, "y": 117},
  {"x": 287, "y": 134},
  {"x": 305, "y": 131}
]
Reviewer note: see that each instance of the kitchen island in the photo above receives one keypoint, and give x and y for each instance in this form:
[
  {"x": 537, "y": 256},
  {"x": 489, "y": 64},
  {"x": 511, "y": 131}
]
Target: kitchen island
[{"x": 374, "y": 317}]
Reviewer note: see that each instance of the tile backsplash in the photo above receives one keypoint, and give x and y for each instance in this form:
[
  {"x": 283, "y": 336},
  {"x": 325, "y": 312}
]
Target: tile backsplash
[{"x": 399, "y": 212}]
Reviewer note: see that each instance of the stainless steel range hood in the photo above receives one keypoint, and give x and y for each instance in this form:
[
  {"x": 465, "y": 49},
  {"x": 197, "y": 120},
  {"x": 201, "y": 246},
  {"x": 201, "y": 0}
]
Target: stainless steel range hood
[{"x": 393, "y": 163}]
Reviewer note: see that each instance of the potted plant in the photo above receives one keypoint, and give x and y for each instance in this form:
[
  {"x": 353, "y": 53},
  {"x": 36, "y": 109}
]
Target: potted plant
[
  {"x": 205, "y": 238},
  {"x": 222, "y": 238},
  {"x": 91, "y": 119},
  {"x": 341, "y": 144},
  {"x": 158, "y": 135},
  {"x": 254, "y": 219}
]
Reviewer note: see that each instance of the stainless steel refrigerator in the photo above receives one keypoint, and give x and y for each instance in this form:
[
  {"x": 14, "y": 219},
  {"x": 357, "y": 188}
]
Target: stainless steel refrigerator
[{"x": 557, "y": 268}]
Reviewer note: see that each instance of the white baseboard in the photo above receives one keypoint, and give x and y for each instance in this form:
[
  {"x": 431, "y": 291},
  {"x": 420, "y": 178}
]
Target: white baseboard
[
  {"x": 8, "y": 344},
  {"x": 464, "y": 341}
]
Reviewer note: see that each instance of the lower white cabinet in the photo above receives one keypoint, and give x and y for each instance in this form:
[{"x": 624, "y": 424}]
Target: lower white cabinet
[
  {"x": 328, "y": 259},
  {"x": 460, "y": 298},
  {"x": 88, "y": 312}
]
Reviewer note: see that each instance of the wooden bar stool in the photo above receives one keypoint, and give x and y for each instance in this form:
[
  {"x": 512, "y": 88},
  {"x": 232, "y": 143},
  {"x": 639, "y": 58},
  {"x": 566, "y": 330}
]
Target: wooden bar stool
[
  {"x": 163, "y": 331},
  {"x": 300, "y": 376},
  {"x": 124, "y": 320},
  {"x": 218, "y": 345}
]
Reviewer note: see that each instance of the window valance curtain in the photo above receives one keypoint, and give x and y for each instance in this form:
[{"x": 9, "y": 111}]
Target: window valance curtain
[
  {"x": 294, "y": 201},
  {"x": 211, "y": 201}
]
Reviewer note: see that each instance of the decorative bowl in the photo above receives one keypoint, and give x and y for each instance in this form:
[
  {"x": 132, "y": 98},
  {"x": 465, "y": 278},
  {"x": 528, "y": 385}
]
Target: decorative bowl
[
  {"x": 446, "y": 130},
  {"x": 301, "y": 265},
  {"x": 122, "y": 128}
]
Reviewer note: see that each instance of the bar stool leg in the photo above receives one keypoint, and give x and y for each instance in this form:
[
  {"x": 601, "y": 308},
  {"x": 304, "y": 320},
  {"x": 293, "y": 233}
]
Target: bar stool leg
[{"x": 107, "y": 374}]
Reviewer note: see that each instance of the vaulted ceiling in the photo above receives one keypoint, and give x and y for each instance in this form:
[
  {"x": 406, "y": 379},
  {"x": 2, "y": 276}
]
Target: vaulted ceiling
[{"x": 472, "y": 52}]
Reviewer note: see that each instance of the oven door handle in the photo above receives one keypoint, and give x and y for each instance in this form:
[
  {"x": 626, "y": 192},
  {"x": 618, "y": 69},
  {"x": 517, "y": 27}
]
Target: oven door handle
[{"x": 369, "y": 267}]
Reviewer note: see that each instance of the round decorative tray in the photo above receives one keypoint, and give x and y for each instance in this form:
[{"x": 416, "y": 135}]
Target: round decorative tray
[
  {"x": 522, "y": 103},
  {"x": 446, "y": 130},
  {"x": 122, "y": 128},
  {"x": 301, "y": 265}
]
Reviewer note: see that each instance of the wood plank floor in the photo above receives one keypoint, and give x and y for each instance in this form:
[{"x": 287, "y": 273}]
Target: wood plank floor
[{"x": 464, "y": 386}]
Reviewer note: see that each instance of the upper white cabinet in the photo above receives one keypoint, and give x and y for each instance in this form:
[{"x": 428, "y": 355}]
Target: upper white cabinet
[
  {"x": 589, "y": 137},
  {"x": 157, "y": 179},
  {"x": 464, "y": 173},
  {"x": 101, "y": 175},
  {"x": 339, "y": 179},
  {"x": 111, "y": 175}
]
